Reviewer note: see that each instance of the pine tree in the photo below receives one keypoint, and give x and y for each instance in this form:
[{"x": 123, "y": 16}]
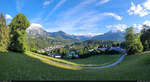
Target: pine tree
[
  {"x": 4, "y": 34},
  {"x": 18, "y": 28}
]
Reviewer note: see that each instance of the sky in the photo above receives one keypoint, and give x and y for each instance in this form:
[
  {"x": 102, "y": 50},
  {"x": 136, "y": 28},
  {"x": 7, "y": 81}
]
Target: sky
[{"x": 80, "y": 17}]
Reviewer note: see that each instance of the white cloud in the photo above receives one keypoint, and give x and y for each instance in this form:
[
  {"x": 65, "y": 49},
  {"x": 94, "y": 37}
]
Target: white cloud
[
  {"x": 35, "y": 26},
  {"x": 8, "y": 16},
  {"x": 78, "y": 7},
  {"x": 102, "y": 2},
  {"x": 147, "y": 23},
  {"x": 87, "y": 21},
  {"x": 137, "y": 28},
  {"x": 118, "y": 27},
  {"x": 113, "y": 15},
  {"x": 88, "y": 34},
  {"x": 122, "y": 27},
  {"x": 142, "y": 9},
  {"x": 46, "y": 3},
  {"x": 147, "y": 4},
  {"x": 61, "y": 2}
]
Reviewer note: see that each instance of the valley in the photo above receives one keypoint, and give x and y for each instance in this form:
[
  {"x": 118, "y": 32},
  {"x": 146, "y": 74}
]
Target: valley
[{"x": 74, "y": 40}]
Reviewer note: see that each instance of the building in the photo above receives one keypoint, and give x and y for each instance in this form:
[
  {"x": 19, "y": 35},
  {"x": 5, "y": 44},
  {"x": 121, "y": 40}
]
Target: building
[
  {"x": 91, "y": 50},
  {"x": 118, "y": 49},
  {"x": 55, "y": 55},
  {"x": 103, "y": 49},
  {"x": 71, "y": 55}
]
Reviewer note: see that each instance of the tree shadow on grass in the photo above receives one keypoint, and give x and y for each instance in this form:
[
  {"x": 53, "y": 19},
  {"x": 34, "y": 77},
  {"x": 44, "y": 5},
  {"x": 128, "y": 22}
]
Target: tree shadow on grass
[
  {"x": 22, "y": 66},
  {"x": 40, "y": 59}
]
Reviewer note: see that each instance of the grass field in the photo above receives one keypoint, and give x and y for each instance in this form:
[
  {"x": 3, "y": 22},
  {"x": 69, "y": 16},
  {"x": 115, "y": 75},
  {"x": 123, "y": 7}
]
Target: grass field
[
  {"x": 100, "y": 60},
  {"x": 96, "y": 60},
  {"x": 16, "y": 66}
]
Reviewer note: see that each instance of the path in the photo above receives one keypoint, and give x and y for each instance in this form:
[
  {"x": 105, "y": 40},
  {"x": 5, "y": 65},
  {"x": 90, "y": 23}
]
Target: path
[
  {"x": 110, "y": 65},
  {"x": 68, "y": 65}
]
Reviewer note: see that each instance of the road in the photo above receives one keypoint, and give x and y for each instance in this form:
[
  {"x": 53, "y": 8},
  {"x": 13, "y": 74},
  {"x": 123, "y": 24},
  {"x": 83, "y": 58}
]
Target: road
[
  {"x": 73, "y": 66},
  {"x": 110, "y": 65}
]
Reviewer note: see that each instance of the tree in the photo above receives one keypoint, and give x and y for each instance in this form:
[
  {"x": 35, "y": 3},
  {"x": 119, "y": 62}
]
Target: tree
[
  {"x": 123, "y": 45},
  {"x": 129, "y": 37},
  {"x": 145, "y": 37},
  {"x": 138, "y": 43},
  {"x": 146, "y": 45},
  {"x": 4, "y": 34},
  {"x": 133, "y": 42},
  {"x": 18, "y": 28},
  {"x": 81, "y": 53}
]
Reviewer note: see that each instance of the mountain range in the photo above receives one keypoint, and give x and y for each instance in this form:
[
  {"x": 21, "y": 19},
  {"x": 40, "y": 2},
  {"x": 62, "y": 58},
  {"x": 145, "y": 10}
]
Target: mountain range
[
  {"x": 115, "y": 36},
  {"x": 60, "y": 35}
]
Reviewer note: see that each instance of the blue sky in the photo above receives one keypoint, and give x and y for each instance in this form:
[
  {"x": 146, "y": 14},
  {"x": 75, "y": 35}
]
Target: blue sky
[{"x": 80, "y": 16}]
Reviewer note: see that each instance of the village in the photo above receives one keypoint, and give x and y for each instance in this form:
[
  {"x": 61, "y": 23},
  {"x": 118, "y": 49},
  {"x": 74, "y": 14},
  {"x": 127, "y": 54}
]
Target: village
[{"x": 74, "y": 54}]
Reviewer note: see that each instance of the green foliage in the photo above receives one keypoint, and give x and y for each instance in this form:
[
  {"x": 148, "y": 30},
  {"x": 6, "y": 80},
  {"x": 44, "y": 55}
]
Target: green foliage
[
  {"x": 41, "y": 42},
  {"x": 139, "y": 43},
  {"x": 94, "y": 44},
  {"x": 23, "y": 67},
  {"x": 146, "y": 45},
  {"x": 133, "y": 42},
  {"x": 18, "y": 28},
  {"x": 145, "y": 37},
  {"x": 123, "y": 45},
  {"x": 99, "y": 60},
  {"x": 4, "y": 34},
  {"x": 110, "y": 52}
]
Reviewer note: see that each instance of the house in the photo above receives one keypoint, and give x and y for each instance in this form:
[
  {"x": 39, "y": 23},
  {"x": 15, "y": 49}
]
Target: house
[
  {"x": 118, "y": 49},
  {"x": 78, "y": 50},
  {"x": 72, "y": 54},
  {"x": 103, "y": 49},
  {"x": 57, "y": 56},
  {"x": 91, "y": 50},
  {"x": 42, "y": 51},
  {"x": 52, "y": 55}
]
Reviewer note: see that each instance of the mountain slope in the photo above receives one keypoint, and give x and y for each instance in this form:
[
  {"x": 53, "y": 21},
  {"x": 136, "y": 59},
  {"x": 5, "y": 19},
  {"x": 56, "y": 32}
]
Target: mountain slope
[
  {"x": 116, "y": 36},
  {"x": 37, "y": 31},
  {"x": 60, "y": 35}
]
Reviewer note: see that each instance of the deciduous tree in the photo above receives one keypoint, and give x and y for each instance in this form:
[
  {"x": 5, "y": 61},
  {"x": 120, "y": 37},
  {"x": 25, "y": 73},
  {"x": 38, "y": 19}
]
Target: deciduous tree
[{"x": 18, "y": 28}]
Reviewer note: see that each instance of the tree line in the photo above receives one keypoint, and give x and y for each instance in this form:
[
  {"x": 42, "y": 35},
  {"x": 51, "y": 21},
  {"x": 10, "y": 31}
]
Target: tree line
[
  {"x": 137, "y": 42},
  {"x": 12, "y": 36}
]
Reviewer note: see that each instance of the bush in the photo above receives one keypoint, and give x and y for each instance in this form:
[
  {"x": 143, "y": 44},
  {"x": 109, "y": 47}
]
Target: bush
[
  {"x": 114, "y": 52},
  {"x": 111, "y": 52}
]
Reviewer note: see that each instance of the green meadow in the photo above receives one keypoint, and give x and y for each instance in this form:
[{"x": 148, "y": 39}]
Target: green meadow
[{"x": 27, "y": 66}]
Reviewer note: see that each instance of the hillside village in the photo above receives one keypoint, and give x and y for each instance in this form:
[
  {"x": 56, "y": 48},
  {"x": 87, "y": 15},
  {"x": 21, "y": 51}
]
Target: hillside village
[
  {"x": 77, "y": 40},
  {"x": 75, "y": 53}
]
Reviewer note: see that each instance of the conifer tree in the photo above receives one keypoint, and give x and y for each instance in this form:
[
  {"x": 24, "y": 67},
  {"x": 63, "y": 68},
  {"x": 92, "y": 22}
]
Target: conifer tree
[
  {"x": 4, "y": 34},
  {"x": 18, "y": 28}
]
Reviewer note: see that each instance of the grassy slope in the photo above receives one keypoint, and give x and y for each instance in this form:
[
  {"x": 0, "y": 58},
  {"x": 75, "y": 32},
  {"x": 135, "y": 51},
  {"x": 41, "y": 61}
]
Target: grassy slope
[
  {"x": 15, "y": 66},
  {"x": 100, "y": 59}
]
